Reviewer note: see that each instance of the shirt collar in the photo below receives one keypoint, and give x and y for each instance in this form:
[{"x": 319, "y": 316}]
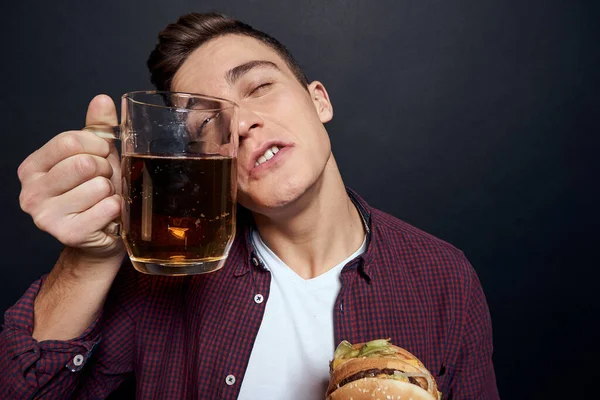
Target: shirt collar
[
  {"x": 246, "y": 226},
  {"x": 362, "y": 262}
]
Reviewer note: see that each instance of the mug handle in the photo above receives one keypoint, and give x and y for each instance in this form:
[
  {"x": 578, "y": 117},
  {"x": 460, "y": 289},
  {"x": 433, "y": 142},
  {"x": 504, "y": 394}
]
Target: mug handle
[
  {"x": 105, "y": 131},
  {"x": 108, "y": 132}
]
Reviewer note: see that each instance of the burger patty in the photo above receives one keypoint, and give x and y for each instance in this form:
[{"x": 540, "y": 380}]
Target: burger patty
[{"x": 370, "y": 373}]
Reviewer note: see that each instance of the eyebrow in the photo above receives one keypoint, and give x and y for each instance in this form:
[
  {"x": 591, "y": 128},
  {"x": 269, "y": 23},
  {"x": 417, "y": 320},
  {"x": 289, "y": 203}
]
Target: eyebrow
[{"x": 237, "y": 72}]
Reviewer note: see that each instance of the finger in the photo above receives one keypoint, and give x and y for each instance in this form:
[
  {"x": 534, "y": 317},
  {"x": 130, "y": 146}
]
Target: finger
[
  {"x": 115, "y": 162},
  {"x": 95, "y": 220},
  {"x": 101, "y": 111},
  {"x": 60, "y": 147},
  {"x": 72, "y": 172},
  {"x": 81, "y": 198},
  {"x": 86, "y": 229}
]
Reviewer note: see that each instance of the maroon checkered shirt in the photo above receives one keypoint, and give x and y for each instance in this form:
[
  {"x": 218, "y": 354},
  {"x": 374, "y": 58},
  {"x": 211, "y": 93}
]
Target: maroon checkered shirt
[{"x": 191, "y": 337}]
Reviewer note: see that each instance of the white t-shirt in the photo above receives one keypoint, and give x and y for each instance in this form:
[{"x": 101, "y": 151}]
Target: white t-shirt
[{"x": 295, "y": 342}]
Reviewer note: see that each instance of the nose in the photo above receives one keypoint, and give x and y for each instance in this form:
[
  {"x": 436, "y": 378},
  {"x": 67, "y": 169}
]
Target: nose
[{"x": 248, "y": 121}]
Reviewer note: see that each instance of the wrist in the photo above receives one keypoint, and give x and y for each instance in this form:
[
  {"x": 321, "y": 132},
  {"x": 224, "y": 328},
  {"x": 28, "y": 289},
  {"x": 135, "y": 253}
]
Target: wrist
[{"x": 79, "y": 265}]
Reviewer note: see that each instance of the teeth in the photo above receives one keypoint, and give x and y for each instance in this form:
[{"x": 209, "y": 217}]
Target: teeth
[{"x": 267, "y": 155}]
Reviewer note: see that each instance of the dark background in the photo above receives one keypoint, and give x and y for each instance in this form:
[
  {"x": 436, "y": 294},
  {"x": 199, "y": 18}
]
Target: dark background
[{"x": 474, "y": 121}]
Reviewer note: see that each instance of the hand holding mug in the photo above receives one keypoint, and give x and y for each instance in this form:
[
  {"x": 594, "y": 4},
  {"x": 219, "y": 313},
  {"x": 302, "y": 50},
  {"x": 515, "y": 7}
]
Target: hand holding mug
[{"x": 71, "y": 186}]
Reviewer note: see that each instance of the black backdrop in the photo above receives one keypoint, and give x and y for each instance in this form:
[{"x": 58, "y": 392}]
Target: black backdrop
[{"x": 472, "y": 120}]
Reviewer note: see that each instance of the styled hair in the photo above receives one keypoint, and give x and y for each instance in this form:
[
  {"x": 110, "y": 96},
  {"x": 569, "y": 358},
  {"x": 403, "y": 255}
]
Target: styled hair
[{"x": 178, "y": 40}]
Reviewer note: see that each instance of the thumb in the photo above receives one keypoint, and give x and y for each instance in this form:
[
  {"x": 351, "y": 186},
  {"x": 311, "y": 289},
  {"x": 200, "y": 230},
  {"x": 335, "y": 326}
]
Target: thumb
[{"x": 101, "y": 111}]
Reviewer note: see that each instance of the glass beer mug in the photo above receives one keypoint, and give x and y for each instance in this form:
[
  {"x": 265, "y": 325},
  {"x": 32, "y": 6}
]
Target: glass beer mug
[{"x": 178, "y": 166}]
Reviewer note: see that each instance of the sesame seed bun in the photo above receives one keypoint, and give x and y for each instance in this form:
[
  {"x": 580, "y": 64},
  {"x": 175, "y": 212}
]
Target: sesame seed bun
[
  {"x": 390, "y": 375},
  {"x": 384, "y": 389}
]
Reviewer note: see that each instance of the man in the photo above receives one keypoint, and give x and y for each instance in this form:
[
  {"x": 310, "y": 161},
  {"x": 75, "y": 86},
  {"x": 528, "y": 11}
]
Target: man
[{"x": 314, "y": 264}]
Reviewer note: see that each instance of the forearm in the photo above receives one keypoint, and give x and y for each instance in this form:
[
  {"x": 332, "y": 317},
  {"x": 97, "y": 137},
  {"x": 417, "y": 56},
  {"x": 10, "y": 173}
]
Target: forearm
[
  {"x": 88, "y": 366},
  {"x": 72, "y": 296},
  {"x": 46, "y": 369}
]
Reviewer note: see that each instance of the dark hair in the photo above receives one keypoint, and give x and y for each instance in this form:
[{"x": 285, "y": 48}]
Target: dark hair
[{"x": 178, "y": 40}]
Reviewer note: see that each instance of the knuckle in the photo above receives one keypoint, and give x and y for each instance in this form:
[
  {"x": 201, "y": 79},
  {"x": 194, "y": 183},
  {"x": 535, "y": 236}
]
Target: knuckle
[
  {"x": 22, "y": 170},
  {"x": 85, "y": 165},
  {"x": 104, "y": 147},
  {"x": 105, "y": 168},
  {"x": 103, "y": 186},
  {"x": 27, "y": 200},
  {"x": 69, "y": 143},
  {"x": 112, "y": 207},
  {"x": 43, "y": 221}
]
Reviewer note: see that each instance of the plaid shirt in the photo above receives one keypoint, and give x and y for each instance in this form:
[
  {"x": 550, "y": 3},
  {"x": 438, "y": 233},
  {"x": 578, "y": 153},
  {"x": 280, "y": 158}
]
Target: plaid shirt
[{"x": 191, "y": 337}]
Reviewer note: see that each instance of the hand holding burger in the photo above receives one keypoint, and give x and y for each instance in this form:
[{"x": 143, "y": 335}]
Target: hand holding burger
[{"x": 378, "y": 369}]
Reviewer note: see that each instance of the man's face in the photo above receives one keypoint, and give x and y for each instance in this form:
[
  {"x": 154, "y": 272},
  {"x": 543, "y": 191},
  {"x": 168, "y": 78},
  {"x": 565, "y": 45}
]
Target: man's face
[{"x": 276, "y": 112}]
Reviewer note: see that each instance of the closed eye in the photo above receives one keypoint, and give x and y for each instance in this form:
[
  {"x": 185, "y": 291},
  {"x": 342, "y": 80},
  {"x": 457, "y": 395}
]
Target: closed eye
[
  {"x": 207, "y": 120},
  {"x": 260, "y": 89},
  {"x": 204, "y": 123}
]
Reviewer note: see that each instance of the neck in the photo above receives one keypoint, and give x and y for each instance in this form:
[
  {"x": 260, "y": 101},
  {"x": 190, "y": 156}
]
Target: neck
[{"x": 320, "y": 230}]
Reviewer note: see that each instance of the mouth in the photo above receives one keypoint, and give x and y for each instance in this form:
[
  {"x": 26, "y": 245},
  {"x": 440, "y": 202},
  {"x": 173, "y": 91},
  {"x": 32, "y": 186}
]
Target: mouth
[{"x": 268, "y": 154}]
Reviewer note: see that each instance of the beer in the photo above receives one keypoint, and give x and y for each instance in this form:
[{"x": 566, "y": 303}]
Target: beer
[{"x": 178, "y": 210}]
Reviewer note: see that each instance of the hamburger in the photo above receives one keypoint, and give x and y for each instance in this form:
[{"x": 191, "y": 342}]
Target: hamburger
[{"x": 378, "y": 369}]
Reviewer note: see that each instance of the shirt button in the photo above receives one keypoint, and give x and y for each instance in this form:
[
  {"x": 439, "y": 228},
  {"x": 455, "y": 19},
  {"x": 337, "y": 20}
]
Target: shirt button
[
  {"x": 258, "y": 298},
  {"x": 78, "y": 360},
  {"x": 255, "y": 261},
  {"x": 230, "y": 380}
]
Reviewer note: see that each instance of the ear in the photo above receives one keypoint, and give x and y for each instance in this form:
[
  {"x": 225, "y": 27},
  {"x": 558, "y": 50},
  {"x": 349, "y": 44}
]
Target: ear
[{"x": 321, "y": 101}]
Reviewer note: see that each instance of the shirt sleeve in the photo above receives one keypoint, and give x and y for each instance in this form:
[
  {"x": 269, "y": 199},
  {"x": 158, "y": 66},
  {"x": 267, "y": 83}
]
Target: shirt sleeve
[
  {"x": 473, "y": 376},
  {"x": 80, "y": 368}
]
